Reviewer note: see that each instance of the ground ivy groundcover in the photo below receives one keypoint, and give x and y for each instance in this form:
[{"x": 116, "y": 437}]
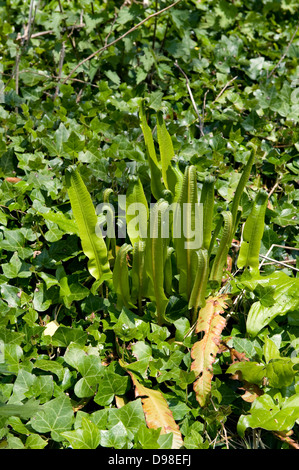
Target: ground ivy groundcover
[{"x": 148, "y": 224}]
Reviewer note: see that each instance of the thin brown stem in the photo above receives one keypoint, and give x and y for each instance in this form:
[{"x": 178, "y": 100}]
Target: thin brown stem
[{"x": 224, "y": 88}]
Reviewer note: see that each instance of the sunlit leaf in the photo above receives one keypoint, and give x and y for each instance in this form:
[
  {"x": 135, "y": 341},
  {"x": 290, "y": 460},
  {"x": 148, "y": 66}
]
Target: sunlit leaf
[{"x": 204, "y": 351}]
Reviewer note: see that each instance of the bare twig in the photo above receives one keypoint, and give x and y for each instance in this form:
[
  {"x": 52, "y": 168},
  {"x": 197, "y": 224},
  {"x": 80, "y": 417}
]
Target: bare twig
[
  {"x": 71, "y": 39},
  {"x": 16, "y": 75},
  {"x": 271, "y": 248},
  {"x": 50, "y": 31},
  {"x": 49, "y": 77},
  {"x": 290, "y": 261},
  {"x": 283, "y": 436},
  {"x": 102, "y": 49},
  {"x": 274, "y": 187},
  {"x": 16, "y": 72},
  {"x": 204, "y": 106},
  {"x": 29, "y": 21},
  {"x": 224, "y": 88},
  {"x": 281, "y": 263},
  {"x": 61, "y": 60},
  {"x": 111, "y": 29},
  {"x": 285, "y": 53},
  {"x": 192, "y": 98},
  {"x": 284, "y": 247},
  {"x": 239, "y": 297}
]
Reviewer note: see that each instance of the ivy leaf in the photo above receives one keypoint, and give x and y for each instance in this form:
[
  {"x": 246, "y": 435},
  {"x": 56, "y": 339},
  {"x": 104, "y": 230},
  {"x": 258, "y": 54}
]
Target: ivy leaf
[
  {"x": 116, "y": 437},
  {"x": 129, "y": 326},
  {"x": 61, "y": 136},
  {"x": 155, "y": 100},
  {"x": 109, "y": 385},
  {"x": 130, "y": 415},
  {"x": 266, "y": 413},
  {"x": 73, "y": 145},
  {"x": 86, "y": 437},
  {"x": 35, "y": 441},
  {"x": 286, "y": 299},
  {"x": 113, "y": 77},
  {"x": 15, "y": 241},
  {"x": 50, "y": 366},
  {"x": 91, "y": 369},
  {"x": 265, "y": 295},
  {"x": 16, "y": 268},
  {"x": 55, "y": 417}
]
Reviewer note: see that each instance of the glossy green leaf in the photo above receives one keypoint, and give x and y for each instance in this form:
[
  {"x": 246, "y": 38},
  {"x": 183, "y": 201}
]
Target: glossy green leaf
[
  {"x": 198, "y": 293},
  {"x": 156, "y": 253},
  {"x": 207, "y": 199},
  {"x": 253, "y": 233},
  {"x": 86, "y": 437},
  {"x": 265, "y": 413},
  {"x": 55, "y": 416},
  {"x": 130, "y": 326},
  {"x": 109, "y": 385},
  {"x": 137, "y": 212},
  {"x": 138, "y": 273},
  {"x": 187, "y": 231},
  {"x": 35, "y": 441},
  {"x": 241, "y": 185},
  {"x": 172, "y": 177},
  {"x": 130, "y": 415},
  {"x": 121, "y": 277},
  {"x": 157, "y": 186},
  {"x": 93, "y": 244},
  {"x": 286, "y": 299},
  {"x": 223, "y": 248}
]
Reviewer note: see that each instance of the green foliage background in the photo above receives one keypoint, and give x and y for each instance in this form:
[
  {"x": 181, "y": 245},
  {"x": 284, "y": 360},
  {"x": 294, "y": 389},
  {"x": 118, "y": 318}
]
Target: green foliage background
[{"x": 242, "y": 62}]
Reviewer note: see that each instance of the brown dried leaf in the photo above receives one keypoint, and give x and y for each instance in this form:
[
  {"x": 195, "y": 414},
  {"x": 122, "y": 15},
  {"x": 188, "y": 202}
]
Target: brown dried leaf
[
  {"x": 285, "y": 436},
  {"x": 236, "y": 356},
  {"x": 252, "y": 391},
  {"x": 13, "y": 179},
  {"x": 204, "y": 351}
]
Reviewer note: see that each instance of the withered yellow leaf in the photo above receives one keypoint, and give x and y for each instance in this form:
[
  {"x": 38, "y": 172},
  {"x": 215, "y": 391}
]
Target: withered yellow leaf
[
  {"x": 204, "y": 351},
  {"x": 51, "y": 327},
  {"x": 157, "y": 413}
]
